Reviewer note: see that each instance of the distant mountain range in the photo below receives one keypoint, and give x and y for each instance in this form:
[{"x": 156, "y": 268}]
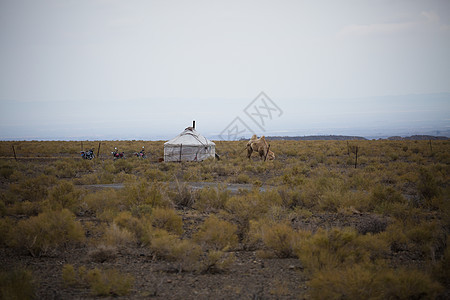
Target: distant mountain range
[{"x": 347, "y": 138}]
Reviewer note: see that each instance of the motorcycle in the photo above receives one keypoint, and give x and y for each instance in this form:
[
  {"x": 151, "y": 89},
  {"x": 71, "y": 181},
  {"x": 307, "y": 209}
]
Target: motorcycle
[
  {"x": 140, "y": 155},
  {"x": 117, "y": 155},
  {"x": 89, "y": 154}
]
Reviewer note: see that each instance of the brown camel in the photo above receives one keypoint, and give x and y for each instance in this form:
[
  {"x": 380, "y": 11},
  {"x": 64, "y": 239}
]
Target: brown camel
[{"x": 261, "y": 147}]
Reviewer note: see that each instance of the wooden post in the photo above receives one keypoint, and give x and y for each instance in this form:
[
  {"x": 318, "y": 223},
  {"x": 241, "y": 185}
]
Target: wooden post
[
  {"x": 14, "y": 151},
  {"x": 348, "y": 149},
  {"x": 98, "y": 151},
  {"x": 356, "y": 156},
  {"x": 193, "y": 124},
  {"x": 181, "y": 150},
  {"x": 431, "y": 148}
]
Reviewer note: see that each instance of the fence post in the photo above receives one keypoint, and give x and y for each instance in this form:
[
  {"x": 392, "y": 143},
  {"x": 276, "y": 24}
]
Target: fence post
[
  {"x": 356, "y": 156},
  {"x": 181, "y": 150},
  {"x": 98, "y": 151},
  {"x": 14, "y": 151}
]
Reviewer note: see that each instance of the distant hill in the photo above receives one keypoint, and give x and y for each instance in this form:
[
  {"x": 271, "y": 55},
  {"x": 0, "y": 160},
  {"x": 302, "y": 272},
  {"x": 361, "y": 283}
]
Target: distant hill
[
  {"x": 417, "y": 138},
  {"x": 317, "y": 138}
]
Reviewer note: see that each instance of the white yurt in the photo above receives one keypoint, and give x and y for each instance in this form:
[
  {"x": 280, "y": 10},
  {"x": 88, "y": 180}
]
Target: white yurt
[{"x": 189, "y": 146}]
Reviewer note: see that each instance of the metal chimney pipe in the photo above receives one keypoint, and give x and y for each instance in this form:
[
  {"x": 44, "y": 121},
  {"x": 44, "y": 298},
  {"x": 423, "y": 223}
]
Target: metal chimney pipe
[{"x": 193, "y": 124}]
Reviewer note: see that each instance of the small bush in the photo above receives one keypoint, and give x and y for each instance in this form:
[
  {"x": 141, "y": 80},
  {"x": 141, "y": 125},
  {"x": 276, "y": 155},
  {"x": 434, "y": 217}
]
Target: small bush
[
  {"x": 184, "y": 253},
  {"x": 103, "y": 253},
  {"x": 64, "y": 195},
  {"x": 427, "y": 187},
  {"x": 217, "y": 262},
  {"x": 140, "y": 193},
  {"x": 47, "y": 232},
  {"x": 383, "y": 196},
  {"x": 372, "y": 282},
  {"x": 250, "y": 206},
  {"x": 102, "y": 201},
  {"x": 33, "y": 189},
  {"x": 109, "y": 282},
  {"x": 116, "y": 236},
  {"x": 339, "y": 247},
  {"x": 242, "y": 178},
  {"x": 166, "y": 218},
  {"x": 139, "y": 227},
  {"x": 281, "y": 239},
  {"x": 17, "y": 284},
  {"x": 183, "y": 196},
  {"x": 216, "y": 234},
  {"x": 69, "y": 275},
  {"x": 211, "y": 199}
]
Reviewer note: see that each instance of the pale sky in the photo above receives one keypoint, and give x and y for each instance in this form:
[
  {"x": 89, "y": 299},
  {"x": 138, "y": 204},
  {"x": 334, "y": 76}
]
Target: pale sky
[{"x": 145, "y": 69}]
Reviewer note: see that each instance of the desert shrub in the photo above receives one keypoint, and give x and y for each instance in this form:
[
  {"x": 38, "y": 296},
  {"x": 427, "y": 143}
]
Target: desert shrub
[
  {"x": 384, "y": 196},
  {"x": 64, "y": 195},
  {"x": 26, "y": 208},
  {"x": 166, "y": 218},
  {"x": 140, "y": 228},
  {"x": 109, "y": 282},
  {"x": 33, "y": 189},
  {"x": 142, "y": 193},
  {"x": 102, "y": 201},
  {"x": 183, "y": 196},
  {"x": 65, "y": 168},
  {"x": 6, "y": 225},
  {"x": 6, "y": 171},
  {"x": 102, "y": 253},
  {"x": 290, "y": 197},
  {"x": 162, "y": 242},
  {"x": 217, "y": 261},
  {"x": 217, "y": 234},
  {"x": 441, "y": 270},
  {"x": 184, "y": 253},
  {"x": 210, "y": 199},
  {"x": 69, "y": 275},
  {"x": 17, "y": 285},
  {"x": 47, "y": 232},
  {"x": 155, "y": 175},
  {"x": 122, "y": 165},
  {"x": 373, "y": 282},
  {"x": 241, "y": 178},
  {"x": 427, "y": 187},
  {"x": 243, "y": 208},
  {"x": 281, "y": 239},
  {"x": 425, "y": 237},
  {"x": 339, "y": 247},
  {"x": 116, "y": 236},
  {"x": 276, "y": 239}
]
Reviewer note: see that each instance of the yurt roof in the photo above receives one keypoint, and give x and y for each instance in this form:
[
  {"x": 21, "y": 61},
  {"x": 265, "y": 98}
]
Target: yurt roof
[{"x": 189, "y": 137}]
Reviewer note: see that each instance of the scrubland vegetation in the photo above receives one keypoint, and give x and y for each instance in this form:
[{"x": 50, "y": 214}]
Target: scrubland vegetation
[{"x": 375, "y": 230}]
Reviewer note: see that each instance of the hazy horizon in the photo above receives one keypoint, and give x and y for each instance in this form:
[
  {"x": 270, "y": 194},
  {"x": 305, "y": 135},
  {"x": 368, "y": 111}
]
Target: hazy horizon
[{"x": 111, "y": 69}]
